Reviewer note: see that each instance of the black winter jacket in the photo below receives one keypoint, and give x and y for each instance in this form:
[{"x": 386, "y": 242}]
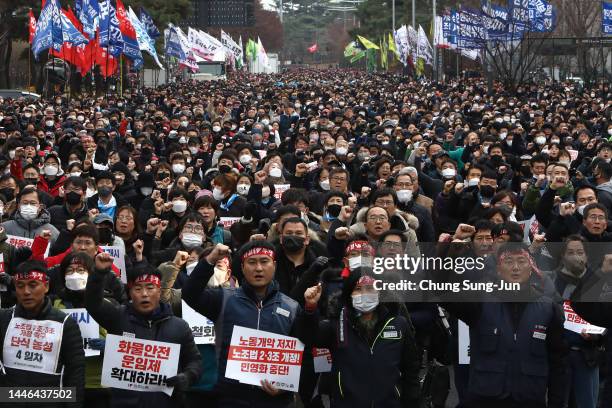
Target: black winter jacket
[
  {"x": 71, "y": 357},
  {"x": 160, "y": 326}
]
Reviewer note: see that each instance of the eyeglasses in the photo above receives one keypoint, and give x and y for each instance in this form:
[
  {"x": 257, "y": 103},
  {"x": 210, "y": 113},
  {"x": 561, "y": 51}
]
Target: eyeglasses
[
  {"x": 125, "y": 218},
  {"x": 193, "y": 228},
  {"x": 384, "y": 203},
  {"x": 392, "y": 245},
  {"x": 594, "y": 217},
  {"x": 404, "y": 185},
  {"x": 338, "y": 178}
]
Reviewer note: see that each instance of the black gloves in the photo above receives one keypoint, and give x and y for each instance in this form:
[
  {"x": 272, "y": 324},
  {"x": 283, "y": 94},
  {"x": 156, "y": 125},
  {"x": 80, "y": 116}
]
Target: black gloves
[
  {"x": 320, "y": 263},
  {"x": 180, "y": 382}
]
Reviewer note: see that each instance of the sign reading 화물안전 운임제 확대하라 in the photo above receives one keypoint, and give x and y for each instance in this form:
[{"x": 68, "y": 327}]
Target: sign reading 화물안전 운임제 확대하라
[
  {"x": 139, "y": 365},
  {"x": 256, "y": 355}
]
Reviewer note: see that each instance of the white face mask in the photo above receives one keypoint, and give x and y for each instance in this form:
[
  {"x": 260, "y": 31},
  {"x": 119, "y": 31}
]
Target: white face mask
[
  {"x": 245, "y": 159},
  {"x": 365, "y": 302},
  {"x": 179, "y": 206},
  {"x": 218, "y": 194},
  {"x": 540, "y": 140},
  {"x": 11, "y": 154},
  {"x": 76, "y": 281},
  {"x": 218, "y": 279},
  {"x": 146, "y": 191},
  {"x": 243, "y": 189},
  {"x": 503, "y": 135},
  {"x": 404, "y": 196},
  {"x": 341, "y": 151},
  {"x": 509, "y": 142},
  {"x": 191, "y": 240},
  {"x": 581, "y": 209},
  {"x": 51, "y": 170},
  {"x": 184, "y": 123},
  {"x": 388, "y": 131},
  {"x": 178, "y": 168},
  {"x": 75, "y": 174},
  {"x": 193, "y": 150},
  {"x": 565, "y": 162},
  {"x": 473, "y": 182},
  {"x": 448, "y": 173},
  {"x": 359, "y": 262},
  {"x": 90, "y": 192},
  {"x": 190, "y": 267},
  {"x": 49, "y": 123},
  {"x": 275, "y": 172},
  {"x": 324, "y": 184},
  {"x": 485, "y": 149},
  {"x": 28, "y": 212},
  {"x": 265, "y": 192}
]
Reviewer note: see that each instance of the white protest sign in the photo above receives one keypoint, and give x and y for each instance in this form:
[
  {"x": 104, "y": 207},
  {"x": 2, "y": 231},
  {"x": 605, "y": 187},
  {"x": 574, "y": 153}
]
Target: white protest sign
[
  {"x": 262, "y": 153},
  {"x": 203, "y": 329},
  {"x": 19, "y": 242},
  {"x": 90, "y": 329},
  {"x": 256, "y": 355},
  {"x": 3, "y": 288},
  {"x": 279, "y": 189},
  {"x": 118, "y": 259},
  {"x": 464, "y": 342},
  {"x": 322, "y": 360},
  {"x": 139, "y": 365},
  {"x": 575, "y": 323},
  {"x": 228, "y": 221},
  {"x": 32, "y": 345},
  {"x": 573, "y": 154}
]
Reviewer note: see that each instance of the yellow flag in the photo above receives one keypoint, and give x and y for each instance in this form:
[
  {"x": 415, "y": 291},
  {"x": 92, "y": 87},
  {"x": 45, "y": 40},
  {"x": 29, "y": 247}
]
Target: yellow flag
[
  {"x": 367, "y": 43},
  {"x": 392, "y": 47}
]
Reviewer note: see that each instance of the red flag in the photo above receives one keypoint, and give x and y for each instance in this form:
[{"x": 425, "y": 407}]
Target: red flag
[
  {"x": 107, "y": 63},
  {"x": 124, "y": 22},
  {"x": 313, "y": 48},
  {"x": 32, "y": 25}
]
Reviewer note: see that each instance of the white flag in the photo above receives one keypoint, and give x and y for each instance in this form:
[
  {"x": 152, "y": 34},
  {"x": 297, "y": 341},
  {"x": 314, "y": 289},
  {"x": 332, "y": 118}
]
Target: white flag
[{"x": 262, "y": 57}]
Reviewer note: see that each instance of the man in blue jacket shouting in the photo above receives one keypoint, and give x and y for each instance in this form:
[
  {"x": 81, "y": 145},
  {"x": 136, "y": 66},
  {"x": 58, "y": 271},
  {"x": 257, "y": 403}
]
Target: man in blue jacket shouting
[{"x": 256, "y": 304}]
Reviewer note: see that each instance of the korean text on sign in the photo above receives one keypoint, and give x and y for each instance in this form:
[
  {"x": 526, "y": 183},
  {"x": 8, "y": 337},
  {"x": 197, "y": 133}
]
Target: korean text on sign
[
  {"x": 575, "y": 323},
  {"x": 139, "y": 365},
  {"x": 256, "y": 355},
  {"x": 203, "y": 329}
]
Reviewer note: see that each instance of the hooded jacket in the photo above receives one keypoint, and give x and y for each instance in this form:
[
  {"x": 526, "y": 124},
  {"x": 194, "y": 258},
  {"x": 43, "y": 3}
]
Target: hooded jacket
[
  {"x": 604, "y": 194},
  {"x": 31, "y": 228}
]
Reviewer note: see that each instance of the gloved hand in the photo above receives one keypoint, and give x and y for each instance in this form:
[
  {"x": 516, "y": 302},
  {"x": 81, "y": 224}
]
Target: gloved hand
[
  {"x": 180, "y": 382},
  {"x": 5, "y": 279},
  {"x": 96, "y": 344},
  {"x": 320, "y": 263}
]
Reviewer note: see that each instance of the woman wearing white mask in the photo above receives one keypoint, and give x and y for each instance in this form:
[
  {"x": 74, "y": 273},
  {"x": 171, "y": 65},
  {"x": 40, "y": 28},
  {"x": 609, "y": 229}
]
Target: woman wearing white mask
[
  {"x": 372, "y": 346},
  {"x": 231, "y": 204},
  {"x": 52, "y": 177},
  {"x": 244, "y": 185},
  {"x": 188, "y": 235},
  {"x": 75, "y": 269}
]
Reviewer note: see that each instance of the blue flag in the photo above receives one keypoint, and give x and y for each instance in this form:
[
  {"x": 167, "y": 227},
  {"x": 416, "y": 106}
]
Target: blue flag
[
  {"x": 110, "y": 33},
  {"x": 89, "y": 15},
  {"x": 606, "y": 18},
  {"x": 48, "y": 29},
  {"x": 70, "y": 34},
  {"x": 173, "y": 46},
  {"x": 149, "y": 24}
]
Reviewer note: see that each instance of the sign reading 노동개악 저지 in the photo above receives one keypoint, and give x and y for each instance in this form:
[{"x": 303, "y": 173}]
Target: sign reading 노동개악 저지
[
  {"x": 256, "y": 355},
  {"x": 90, "y": 329},
  {"x": 575, "y": 323},
  {"x": 227, "y": 222},
  {"x": 139, "y": 365},
  {"x": 202, "y": 328},
  {"x": 19, "y": 242}
]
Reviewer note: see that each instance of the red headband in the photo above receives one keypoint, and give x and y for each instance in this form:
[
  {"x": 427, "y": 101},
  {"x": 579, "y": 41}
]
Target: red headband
[
  {"x": 32, "y": 275},
  {"x": 258, "y": 251},
  {"x": 524, "y": 253},
  {"x": 365, "y": 280},
  {"x": 154, "y": 279},
  {"x": 360, "y": 246}
]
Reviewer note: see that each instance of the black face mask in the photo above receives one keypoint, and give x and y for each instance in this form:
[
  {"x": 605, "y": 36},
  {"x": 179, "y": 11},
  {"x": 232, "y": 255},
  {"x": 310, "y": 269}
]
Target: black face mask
[
  {"x": 8, "y": 193},
  {"x": 526, "y": 171},
  {"x": 104, "y": 191},
  {"x": 224, "y": 168},
  {"x": 106, "y": 235},
  {"x": 334, "y": 209},
  {"x": 30, "y": 181},
  {"x": 487, "y": 191},
  {"x": 293, "y": 243},
  {"x": 73, "y": 198}
]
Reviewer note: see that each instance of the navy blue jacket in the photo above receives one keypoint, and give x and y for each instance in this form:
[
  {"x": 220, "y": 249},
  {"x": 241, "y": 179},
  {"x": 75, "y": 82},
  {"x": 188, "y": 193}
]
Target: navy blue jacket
[{"x": 229, "y": 307}]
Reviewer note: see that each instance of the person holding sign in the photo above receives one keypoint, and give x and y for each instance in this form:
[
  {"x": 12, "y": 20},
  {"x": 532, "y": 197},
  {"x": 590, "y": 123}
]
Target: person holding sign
[
  {"x": 256, "y": 304},
  {"x": 373, "y": 349},
  {"x": 41, "y": 345},
  {"x": 144, "y": 318}
]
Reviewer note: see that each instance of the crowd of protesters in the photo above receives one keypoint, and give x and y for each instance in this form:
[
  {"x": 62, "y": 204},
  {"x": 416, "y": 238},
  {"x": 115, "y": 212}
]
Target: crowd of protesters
[{"x": 275, "y": 192}]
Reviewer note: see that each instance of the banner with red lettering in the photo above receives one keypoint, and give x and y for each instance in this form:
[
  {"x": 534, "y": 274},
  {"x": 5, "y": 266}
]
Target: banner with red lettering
[
  {"x": 256, "y": 355},
  {"x": 575, "y": 323},
  {"x": 139, "y": 365}
]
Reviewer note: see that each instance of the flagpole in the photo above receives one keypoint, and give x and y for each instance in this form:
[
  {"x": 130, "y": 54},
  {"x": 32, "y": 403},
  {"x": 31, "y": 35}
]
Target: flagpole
[{"x": 121, "y": 76}]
